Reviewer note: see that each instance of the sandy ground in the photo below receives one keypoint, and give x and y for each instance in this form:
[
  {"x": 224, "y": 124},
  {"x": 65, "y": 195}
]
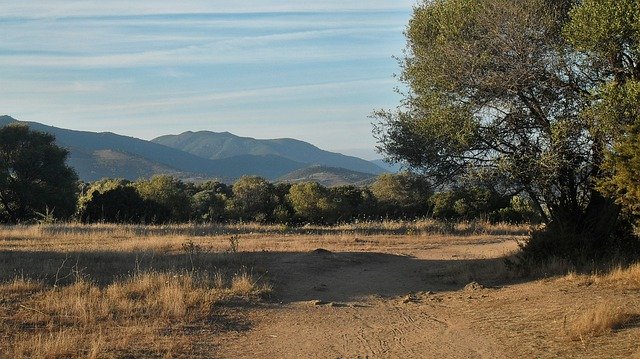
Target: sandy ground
[{"x": 414, "y": 300}]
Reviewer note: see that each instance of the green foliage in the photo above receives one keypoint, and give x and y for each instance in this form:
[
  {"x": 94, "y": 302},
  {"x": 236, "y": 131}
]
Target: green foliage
[
  {"x": 351, "y": 202},
  {"x": 167, "y": 199},
  {"x": 605, "y": 27},
  {"x": 520, "y": 210},
  {"x": 402, "y": 195},
  {"x": 608, "y": 33},
  {"x": 624, "y": 163},
  {"x": 443, "y": 203},
  {"x": 210, "y": 200},
  {"x": 33, "y": 176},
  {"x": 481, "y": 203},
  {"x": 253, "y": 199},
  {"x": 311, "y": 202},
  {"x": 111, "y": 201}
]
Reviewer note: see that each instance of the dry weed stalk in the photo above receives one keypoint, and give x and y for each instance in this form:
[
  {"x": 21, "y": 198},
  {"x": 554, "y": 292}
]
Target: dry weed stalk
[{"x": 600, "y": 320}]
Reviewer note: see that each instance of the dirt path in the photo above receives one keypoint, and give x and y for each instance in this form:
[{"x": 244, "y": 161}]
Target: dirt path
[
  {"x": 367, "y": 305},
  {"x": 412, "y": 304}
]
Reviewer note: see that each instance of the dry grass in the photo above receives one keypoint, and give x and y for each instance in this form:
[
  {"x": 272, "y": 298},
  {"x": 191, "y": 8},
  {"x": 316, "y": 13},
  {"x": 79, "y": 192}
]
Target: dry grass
[
  {"x": 620, "y": 277},
  {"x": 422, "y": 227},
  {"x": 628, "y": 278},
  {"x": 127, "y": 316},
  {"x": 69, "y": 291},
  {"x": 602, "y": 319},
  {"x": 215, "y": 238},
  {"x": 101, "y": 291}
]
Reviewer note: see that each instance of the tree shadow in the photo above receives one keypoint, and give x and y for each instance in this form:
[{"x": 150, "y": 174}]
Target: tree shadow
[{"x": 294, "y": 276}]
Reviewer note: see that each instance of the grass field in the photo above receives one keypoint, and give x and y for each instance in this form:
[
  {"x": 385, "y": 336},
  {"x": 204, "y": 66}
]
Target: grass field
[{"x": 106, "y": 291}]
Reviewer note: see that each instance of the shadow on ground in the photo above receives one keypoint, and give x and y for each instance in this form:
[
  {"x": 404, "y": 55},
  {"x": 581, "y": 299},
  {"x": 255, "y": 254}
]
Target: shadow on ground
[{"x": 295, "y": 276}]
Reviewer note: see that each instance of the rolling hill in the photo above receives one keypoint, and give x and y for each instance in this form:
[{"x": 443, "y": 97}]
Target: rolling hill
[
  {"x": 389, "y": 167},
  {"x": 328, "y": 176},
  {"x": 99, "y": 155},
  {"x": 218, "y": 145}
]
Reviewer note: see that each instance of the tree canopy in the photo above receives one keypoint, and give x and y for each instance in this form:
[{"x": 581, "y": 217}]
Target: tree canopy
[
  {"x": 518, "y": 89},
  {"x": 34, "y": 179}
]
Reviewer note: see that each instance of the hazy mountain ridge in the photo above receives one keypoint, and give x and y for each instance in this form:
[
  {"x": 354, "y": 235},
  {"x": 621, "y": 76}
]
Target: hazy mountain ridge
[
  {"x": 389, "y": 167},
  {"x": 328, "y": 176},
  {"x": 99, "y": 155},
  {"x": 218, "y": 145}
]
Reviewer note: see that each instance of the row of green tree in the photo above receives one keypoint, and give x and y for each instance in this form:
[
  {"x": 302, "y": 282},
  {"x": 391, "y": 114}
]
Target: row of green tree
[
  {"x": 36, "y": 184},
  {"x": 164, "y": 199}
]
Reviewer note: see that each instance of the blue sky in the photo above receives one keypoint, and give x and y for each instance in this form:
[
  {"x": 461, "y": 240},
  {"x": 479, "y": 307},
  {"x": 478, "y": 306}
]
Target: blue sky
[{"x": 312, "y": 70}]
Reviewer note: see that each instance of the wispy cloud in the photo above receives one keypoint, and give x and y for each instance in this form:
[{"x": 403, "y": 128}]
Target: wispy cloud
[
  {"x": 65, "y": 8},
  {"x": 147, "y": 67},
  {"x": 227, "y": 98}
]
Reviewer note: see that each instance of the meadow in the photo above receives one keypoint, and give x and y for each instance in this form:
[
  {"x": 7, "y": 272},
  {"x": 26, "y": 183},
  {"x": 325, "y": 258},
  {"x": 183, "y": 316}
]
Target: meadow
[{"x": 377, "y": 289}]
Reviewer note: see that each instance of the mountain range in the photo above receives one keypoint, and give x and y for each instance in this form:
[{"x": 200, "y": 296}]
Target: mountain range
[
  {"x": 213, "y": 145},
  {"x": 197, "y": 156}
]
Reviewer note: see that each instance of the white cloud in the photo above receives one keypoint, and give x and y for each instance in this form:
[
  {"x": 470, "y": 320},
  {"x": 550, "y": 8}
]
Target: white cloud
[{"x": 65, "y": 8}]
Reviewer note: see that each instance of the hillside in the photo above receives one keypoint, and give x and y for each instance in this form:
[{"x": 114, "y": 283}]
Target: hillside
[
  {"x": 214, "y": 145},
  {"x": 98, "y": 155},
  {"x": 327, "y": 176},
  {"x": 389, "y": 167}
]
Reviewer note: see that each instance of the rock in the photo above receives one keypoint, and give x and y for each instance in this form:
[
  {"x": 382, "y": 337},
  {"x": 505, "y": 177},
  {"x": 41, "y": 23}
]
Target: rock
[
  {"x": 321, "y": 251},
  {"x": 473, "y": 286},
  {"x": 409, "y": 299}
]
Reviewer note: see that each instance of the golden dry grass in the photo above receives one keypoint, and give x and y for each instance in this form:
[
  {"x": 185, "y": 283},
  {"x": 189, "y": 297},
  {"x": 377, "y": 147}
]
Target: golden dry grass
[
  {"x": 628, "y": 277},
  {"x": 620, "y": 277},
  {"x": 76, "y": 291},
  {"x": 215, "y": 238},
  {"x": 599, "y": 320},
  {"x": 85, "y": 320}
]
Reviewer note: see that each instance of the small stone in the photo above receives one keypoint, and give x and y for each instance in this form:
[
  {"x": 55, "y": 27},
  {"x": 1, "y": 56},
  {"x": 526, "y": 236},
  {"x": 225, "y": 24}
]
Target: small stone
[{"x": 473, "y": 286}]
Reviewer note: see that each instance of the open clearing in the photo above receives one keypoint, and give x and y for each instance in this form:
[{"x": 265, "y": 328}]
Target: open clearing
[{"x": 334, "y": 293}]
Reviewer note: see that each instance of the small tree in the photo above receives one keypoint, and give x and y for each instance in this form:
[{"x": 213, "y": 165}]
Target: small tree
[
  {"x": 351, "y": 202},
  {"x": 402, "y": 195},
  {"x": 33, "y": 176},
  {"x": 209, "y": 206},
  {"x": 253, "y": 199},
  {"x": 167, "y": 199},
  {"x": 312, "y": 202},
  {"x": 111, "y": 201}
]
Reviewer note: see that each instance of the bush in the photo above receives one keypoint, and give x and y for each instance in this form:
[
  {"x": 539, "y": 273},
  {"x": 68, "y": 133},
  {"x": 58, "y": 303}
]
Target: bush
[
  {"x": 166, "y": 199},
  {"x": 253, "y": 199},
  {"x": 312, "y": 202},
  {"x": 402, "y": 195},
  {"x": 111, "y": 201}
]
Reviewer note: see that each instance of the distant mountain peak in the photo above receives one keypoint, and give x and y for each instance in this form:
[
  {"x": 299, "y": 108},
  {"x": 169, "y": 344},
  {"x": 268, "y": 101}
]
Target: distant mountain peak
[
  {"x": 6, "y": 119},
  {"x": 219, "y": 145},
  {"x": 106, "y": 154}
]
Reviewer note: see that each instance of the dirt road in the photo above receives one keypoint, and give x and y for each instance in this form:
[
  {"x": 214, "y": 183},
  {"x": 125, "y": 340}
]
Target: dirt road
[{"x": 417, "y": 301}]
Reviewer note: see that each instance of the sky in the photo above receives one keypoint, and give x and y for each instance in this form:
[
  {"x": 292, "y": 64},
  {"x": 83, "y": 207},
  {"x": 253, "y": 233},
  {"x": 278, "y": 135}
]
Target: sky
[{"x": 312, "y": 70}]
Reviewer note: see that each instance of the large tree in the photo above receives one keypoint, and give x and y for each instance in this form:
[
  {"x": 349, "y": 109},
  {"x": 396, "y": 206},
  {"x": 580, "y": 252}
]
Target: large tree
[
  {"x": 607, "y": 32},
  {"x": 34, "y": 179},
  {"x": 495, "y": 87}
]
